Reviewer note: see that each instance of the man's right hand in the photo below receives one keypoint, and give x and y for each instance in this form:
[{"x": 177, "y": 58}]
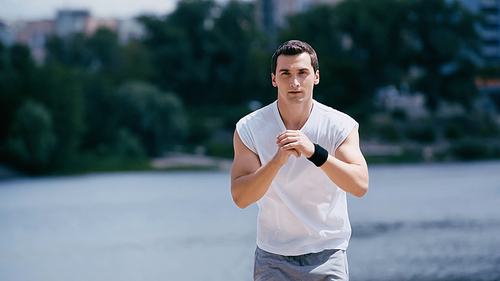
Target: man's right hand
[
  {"x": 250, "y": 180},
  {"x": 283, "y": 154}
]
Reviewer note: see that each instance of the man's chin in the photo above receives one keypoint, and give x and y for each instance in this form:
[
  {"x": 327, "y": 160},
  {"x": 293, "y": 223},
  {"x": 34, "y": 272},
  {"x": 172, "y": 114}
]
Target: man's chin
[{"x": 297, "y": 99}]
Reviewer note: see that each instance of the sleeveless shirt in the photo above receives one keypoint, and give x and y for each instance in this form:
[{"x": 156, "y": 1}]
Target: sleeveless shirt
[{"x": 303, "y": 211}]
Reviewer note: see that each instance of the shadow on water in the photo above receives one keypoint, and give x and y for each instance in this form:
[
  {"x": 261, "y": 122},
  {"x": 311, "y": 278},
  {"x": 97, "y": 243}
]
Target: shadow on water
[
  {"x": 444, "y": 250},
  {"x": 370, "y": 230}
]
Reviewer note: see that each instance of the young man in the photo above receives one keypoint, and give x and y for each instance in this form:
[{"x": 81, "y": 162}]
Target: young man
[{"x": 303, "y": 228}]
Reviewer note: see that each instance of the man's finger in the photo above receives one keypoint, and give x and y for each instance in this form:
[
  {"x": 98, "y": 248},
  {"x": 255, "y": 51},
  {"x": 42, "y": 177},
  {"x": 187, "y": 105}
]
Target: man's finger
[{"x": 293, "y": 151}]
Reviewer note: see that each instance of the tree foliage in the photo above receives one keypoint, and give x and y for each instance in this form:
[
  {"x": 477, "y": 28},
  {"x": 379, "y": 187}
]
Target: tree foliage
[
  {"x": 198, "y": 68},
  {"x": 364, "y": 45},
  {"x": 207, "y": 53},
  {"x": 31, "y": 139},
  {"x": 446, "y": 42},
  {"x": 150, "y": 114}
]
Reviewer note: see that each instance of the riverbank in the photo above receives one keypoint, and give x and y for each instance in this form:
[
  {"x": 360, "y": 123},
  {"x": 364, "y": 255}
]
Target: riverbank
[
  {"x": 8, "y": 173},
  {"x": 374, "y": 152},
  {"x": 172, "y": 161},
  {"x": 182, "y": 161}
]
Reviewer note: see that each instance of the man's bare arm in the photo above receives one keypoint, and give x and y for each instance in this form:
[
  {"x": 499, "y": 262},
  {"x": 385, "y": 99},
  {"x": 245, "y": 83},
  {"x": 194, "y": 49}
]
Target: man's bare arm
[
  {"x": 249, "y": 179},
  {"x": 347, "y": 169}
]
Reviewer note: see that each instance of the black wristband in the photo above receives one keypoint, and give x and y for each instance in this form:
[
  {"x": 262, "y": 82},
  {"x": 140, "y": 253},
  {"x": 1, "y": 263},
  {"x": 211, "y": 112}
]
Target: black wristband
[{"x": 320, "y": 155}]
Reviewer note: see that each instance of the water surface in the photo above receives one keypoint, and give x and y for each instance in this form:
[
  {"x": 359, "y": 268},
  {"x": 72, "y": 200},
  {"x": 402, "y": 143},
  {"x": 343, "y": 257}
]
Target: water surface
[{"x": 417, "y": 222}]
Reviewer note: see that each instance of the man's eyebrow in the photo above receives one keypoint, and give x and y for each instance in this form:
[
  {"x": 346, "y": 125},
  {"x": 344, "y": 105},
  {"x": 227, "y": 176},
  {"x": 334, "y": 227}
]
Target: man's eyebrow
[{"x": 288, "y": 70}]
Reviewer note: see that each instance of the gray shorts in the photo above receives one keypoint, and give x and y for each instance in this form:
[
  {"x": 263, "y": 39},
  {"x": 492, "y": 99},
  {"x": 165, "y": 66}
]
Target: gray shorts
[{"x": 326, "y": 265}]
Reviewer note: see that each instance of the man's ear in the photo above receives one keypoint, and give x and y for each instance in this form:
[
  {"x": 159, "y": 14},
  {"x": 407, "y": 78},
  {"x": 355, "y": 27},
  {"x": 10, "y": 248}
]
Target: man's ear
[
  {"x": 273, "y": 80},
  {"x": 316, "y": 78}
]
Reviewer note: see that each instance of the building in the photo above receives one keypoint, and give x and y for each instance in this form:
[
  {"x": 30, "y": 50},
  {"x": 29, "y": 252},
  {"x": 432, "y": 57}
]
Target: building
[
  {"x": 490, "y": 30},
  {"x": 94, "y": 24},
  {"x": 130, "y": 29},
  {"x": 68, "y": 22},
  {"x": 8, "y": 33},
  {"x": 35, "y": 34},
  {"x": 71, "y": 22}
]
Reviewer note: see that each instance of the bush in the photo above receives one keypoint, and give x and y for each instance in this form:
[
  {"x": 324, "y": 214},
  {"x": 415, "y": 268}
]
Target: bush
[
  {"x": 156, "y": 118},
  {"x": 488, "y": 127},
  {"x": 422, "y": 132},
  {"x": 399, "y": 114},
  {"x": 389, "y": 133},
  {"x": 471, "y": 150},
  {"x": 453, "y": 130},
  {"x": 90, "y": 162},
  {"x": 220, "y": 149},
  {"x": 31, "y": 141},
  {"x": 407, "y": 156}
]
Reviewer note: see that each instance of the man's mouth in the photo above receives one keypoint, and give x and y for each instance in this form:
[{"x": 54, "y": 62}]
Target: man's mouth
[{"x": 295, "y": 92}]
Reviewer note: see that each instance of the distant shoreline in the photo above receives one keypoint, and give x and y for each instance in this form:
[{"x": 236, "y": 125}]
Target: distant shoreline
[
  {"x": 174, "y": 161},
  {"x": 191, "y": 161},
  {"x": 183, "y": 161},
  {"x": 8, "y": 173}
]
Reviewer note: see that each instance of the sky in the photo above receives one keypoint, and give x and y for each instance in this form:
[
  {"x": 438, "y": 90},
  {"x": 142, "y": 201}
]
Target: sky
[{"x": 47, "y": 9}]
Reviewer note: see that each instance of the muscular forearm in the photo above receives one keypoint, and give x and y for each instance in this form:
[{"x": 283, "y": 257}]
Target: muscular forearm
[
  {"x": 250, "y": 188},
  {"x": 352, "y": 178}
]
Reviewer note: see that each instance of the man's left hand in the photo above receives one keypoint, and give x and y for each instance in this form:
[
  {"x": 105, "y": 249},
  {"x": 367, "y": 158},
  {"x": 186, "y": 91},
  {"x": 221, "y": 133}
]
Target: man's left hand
[{"x": 292, "y": 139}]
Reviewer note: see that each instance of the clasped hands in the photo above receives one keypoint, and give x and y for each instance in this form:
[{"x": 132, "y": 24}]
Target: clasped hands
[{"x": 294, "y": 142}]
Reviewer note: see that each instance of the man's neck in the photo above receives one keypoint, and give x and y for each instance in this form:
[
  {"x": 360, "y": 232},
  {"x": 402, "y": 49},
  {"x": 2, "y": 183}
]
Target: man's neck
[{"x": 295, "y": 116}]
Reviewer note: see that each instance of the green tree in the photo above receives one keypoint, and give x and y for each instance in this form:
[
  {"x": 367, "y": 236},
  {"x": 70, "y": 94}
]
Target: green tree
[
  {"x": 214, "y": 58},
  {"x": 445, "y": 41},
  {"x": 106, "y": 54},
  {"x": 208, "y": 53},
  {"x": 99, "y": 53},
  {"x": 157, "y": 118},
  {"x": 4, "y": 98},
  {"x": 69, "y": 51},
  {"x": 361, "y": 47},
  {"x": 364, "y": 45},
  {"x": 31, "y": 141},
  {"x": 234, "y": 69},
  {"x": 18, "y": 81},
  {"x": 137, "y": 62},
  {"x": 61, "y": 92},
  {"x": 181, "y": 49},
  {"x": 98, "y": 91},
  {"x": 342, "y": 83}
]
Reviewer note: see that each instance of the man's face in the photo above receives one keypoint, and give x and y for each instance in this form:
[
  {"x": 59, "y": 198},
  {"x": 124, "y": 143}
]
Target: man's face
[{"x": 295, "y": 77}]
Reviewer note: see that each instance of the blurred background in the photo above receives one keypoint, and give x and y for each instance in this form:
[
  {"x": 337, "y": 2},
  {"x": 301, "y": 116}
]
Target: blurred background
[
  {"x": 158, "y": 86},
  {"x": 83, "y": 93}
]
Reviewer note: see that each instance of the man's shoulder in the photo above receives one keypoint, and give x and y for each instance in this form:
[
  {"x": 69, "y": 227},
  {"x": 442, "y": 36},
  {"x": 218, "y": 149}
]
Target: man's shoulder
[
  {"x": 260, "y": 115},
  {"x": 331, "y": 112}
]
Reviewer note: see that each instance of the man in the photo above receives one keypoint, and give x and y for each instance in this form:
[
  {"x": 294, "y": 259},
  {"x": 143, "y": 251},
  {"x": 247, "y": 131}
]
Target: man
[{"x": 303, "y": 228}]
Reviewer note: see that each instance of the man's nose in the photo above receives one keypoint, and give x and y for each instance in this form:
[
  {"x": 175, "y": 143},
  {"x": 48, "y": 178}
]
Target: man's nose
[{"x": 294, "y": 82}]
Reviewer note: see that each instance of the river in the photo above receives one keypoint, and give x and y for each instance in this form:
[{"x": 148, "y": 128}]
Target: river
[{"x": 417, "y": 222}]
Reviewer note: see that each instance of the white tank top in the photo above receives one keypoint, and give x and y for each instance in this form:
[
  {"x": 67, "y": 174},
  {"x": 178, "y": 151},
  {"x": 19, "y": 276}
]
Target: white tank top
[{"x": 303, "y": 211}]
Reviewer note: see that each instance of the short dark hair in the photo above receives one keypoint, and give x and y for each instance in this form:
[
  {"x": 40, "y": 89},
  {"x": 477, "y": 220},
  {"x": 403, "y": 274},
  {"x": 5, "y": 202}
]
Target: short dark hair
[{"x": 294, "y": 47}]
